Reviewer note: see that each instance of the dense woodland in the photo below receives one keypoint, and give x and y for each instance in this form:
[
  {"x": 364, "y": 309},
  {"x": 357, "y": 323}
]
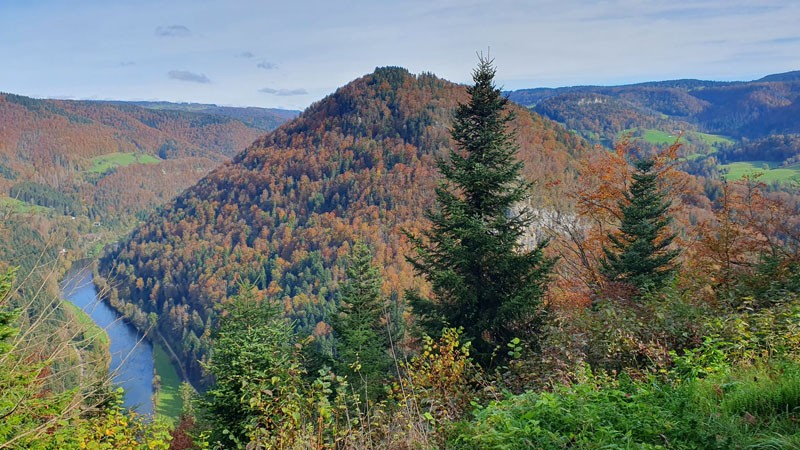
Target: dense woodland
[
  {"x": 357, "y": 165},
  {"x": 69, "y": 147},
  {"x": 417, "y": 264},
  {"x": 757, "y": 118},
  {"x": 73, "y": 176}
]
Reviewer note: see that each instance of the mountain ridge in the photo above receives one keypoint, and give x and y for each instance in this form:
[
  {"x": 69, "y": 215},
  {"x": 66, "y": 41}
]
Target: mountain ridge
[
  {"x": 99, "y": 150},
  {"x": 522, "y": 96},
  {"x": 736, "y": 112},
  {"x": 266, "y": 119}
]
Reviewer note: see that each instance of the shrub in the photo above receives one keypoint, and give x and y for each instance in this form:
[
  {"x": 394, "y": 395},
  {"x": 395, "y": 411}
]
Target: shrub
[{"x": 733, "y": 408}]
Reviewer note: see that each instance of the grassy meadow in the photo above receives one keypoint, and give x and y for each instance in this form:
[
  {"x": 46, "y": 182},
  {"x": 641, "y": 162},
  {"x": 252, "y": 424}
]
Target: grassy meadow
[
  {"x": 168, "y": 400},
  {"x": 770, "y": 171},
  {"x": 104, "y": 163}
]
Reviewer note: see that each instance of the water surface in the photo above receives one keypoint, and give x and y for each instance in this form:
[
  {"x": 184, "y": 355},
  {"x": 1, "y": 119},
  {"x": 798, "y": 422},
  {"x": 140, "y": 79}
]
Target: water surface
[{"x": 131, "y": 354}]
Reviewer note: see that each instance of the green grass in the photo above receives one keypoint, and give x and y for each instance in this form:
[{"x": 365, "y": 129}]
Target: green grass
[
  {"x": 104, "y": 163},
  {"x": 713, "y": 139},
  {"x": 93, "y": 332},
  {"x": 658, "y": 137},
  {"x": 649, "y": 135},
  {"x": 750, "y": 407},
  {"x": 769, "y": 170},
  {"x": 168, "y": 400},
  {"x": 18, "y": 206}
]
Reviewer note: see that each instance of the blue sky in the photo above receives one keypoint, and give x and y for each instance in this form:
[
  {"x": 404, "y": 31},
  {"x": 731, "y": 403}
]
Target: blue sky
[{"x": 290, "y": 53}]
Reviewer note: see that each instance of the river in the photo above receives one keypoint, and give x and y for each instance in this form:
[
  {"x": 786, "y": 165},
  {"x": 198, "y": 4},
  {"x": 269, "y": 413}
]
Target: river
[{"x": 131, "y": 354}]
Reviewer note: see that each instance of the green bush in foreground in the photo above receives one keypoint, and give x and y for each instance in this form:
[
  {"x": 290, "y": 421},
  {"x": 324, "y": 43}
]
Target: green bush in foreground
[{"x": 749, "y": 407}]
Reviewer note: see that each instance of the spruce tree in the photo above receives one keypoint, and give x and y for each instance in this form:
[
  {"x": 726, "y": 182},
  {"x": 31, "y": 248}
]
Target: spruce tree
[
  {"x": 7, "y": 317},
  {"x": 258, "y": 387},
  {"x": 361, "y": 336},
  {"x": 639, "y": 254},
  {"x": 481, "y": 276}
]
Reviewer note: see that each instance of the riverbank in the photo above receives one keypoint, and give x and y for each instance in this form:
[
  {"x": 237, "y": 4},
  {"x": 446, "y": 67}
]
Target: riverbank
[
  {"x": 135, "y": 363},
  {"x": 91, "y": 344},
  {"x": 168, "y": 401}
]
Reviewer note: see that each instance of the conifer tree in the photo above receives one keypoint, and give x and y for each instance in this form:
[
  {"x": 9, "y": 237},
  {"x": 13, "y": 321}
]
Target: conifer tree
[
  {"x": 258, "y": 377},
  {"x": 361, "y": 336},
  {"x": 481, "y": 276},
  {"x": 639, "y": 254},
  {"x": 7, "y": 317}
]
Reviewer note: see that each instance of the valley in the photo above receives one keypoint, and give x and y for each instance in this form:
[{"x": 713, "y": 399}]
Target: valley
[
  {"x": 736, "y": 125},
  {"x": 190, "y": 234},
  {"x": 78, "y": 175},
  {"x": 399, "y": 225}
]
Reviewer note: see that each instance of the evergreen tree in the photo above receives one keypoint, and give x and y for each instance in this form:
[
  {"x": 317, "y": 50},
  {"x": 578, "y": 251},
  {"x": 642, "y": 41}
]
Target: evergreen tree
[
  {"x": 638, "y": 254},
  {"x": 482, "y": 278},
  {"x": 361, "y": 336},
  {"x": 259, "y": 392},
  {"x": 7, "y": 317}
]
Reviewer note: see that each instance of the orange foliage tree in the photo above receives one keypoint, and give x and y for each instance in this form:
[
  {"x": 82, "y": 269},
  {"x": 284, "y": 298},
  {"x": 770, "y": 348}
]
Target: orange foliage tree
[{"x": 604, "y": 177}]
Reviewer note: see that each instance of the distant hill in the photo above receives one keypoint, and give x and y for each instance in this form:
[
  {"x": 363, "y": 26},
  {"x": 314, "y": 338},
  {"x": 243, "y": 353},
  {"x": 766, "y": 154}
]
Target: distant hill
[
  {"x": 786, "y": 76},
  {"x": 750, "y": 110},
  {"x": 266, "y": 119},
  {"x": 359, "y": 164},
  {"x": 109, "y": 161},
  {"x": 531, "y": 97},
  {"x": 731, "y": 120}
]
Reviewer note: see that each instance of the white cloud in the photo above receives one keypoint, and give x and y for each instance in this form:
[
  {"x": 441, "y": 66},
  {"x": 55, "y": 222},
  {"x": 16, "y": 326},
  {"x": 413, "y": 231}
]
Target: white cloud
[
  {"x": 173, "y": 31},
  {"x": 185, "y": 75},
  {"x": 283, "y": 92}
]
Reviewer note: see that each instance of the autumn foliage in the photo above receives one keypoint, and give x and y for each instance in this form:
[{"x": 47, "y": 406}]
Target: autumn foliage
[{"x": 357, "y": 164}]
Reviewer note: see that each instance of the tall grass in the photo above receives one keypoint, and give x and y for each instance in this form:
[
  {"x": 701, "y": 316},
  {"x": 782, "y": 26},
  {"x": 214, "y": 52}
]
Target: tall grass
[{"x": 749, "y": 407}]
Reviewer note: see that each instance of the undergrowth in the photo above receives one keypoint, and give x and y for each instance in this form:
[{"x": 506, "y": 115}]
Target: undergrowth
[{"x": 743, "y": 407}]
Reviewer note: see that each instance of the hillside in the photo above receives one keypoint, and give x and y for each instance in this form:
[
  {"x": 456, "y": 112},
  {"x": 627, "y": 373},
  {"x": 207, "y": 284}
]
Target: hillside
[
  {"x": 358, "y": 164},
  {"x": 751, "y": 109},
  {"x": 109, "y": 161},
  {"x": 266, "y": 119},
  {"x": 714, "y": 116},
  {"x": 75, "y": 175}
]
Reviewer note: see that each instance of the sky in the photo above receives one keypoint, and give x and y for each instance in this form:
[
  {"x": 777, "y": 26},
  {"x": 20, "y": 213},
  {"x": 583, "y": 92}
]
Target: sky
[{"x": 288, "y": 54}]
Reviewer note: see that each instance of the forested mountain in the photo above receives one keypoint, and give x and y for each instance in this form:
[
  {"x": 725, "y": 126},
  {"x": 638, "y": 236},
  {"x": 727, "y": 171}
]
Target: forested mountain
[
  {"x": 109, "y": 160},
  {"x": 359, "y": 164},
  {"x": 75, "y": 175},
  {"x": 741, "y": 111},
  {"x": 738, "y": 109},
  {"x": 266, "y": 119}
]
